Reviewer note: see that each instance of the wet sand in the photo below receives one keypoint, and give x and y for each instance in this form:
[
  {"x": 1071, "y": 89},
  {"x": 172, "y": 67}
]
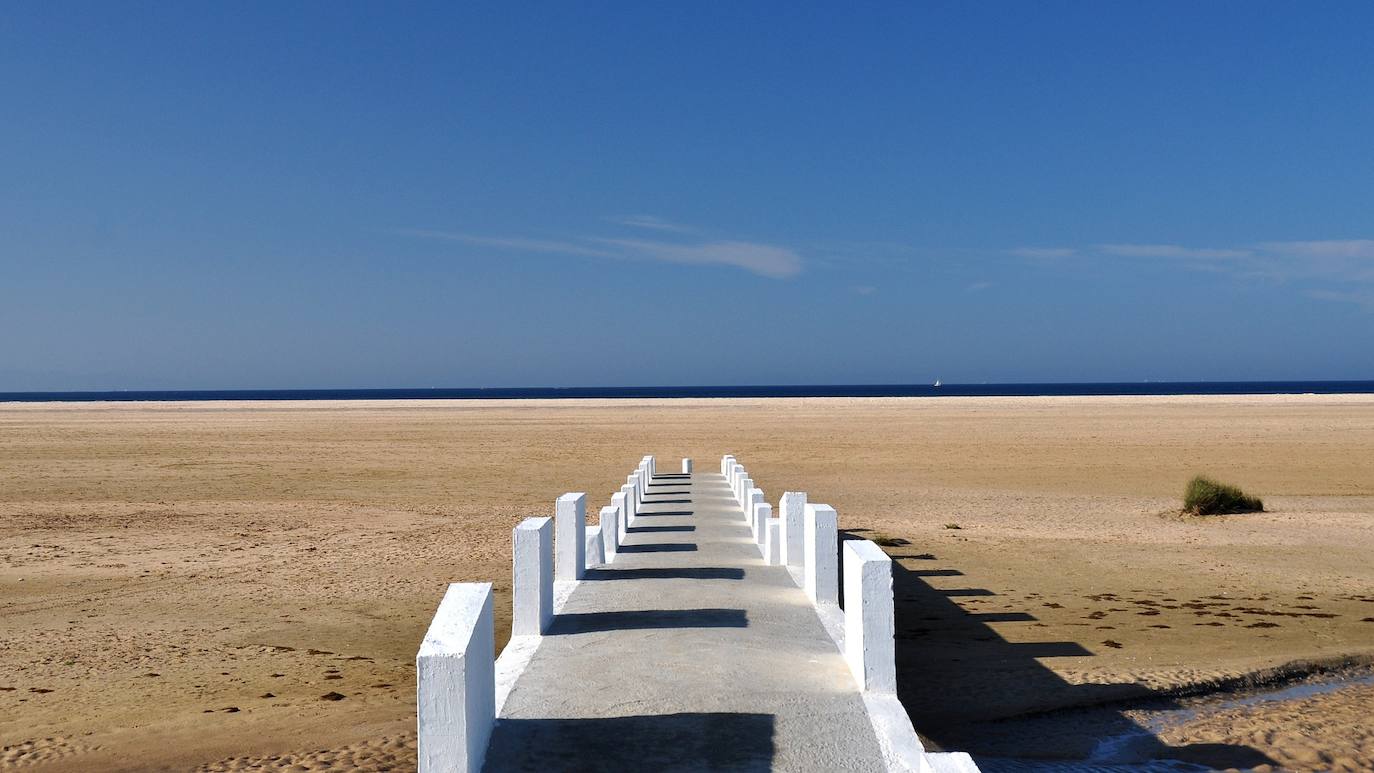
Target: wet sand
[{"x": 245, "y": 584}]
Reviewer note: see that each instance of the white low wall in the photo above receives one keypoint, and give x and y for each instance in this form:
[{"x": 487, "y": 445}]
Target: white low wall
[
  {"x": 792, "y": 510},
  {"x": 610, "y": 532},
  {"x": 821, "y": 548},
  {"x": 532, "y": 577},
  {"x": 455, "y": 673},
  {"x": 571, "y": 517},
  {"x": 772, "y": 542},
  {"x": 595, "y": 550},
  {"x": 869, "y": 629}
]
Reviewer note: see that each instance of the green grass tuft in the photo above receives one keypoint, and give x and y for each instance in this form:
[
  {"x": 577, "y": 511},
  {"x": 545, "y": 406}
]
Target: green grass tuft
[{"x": 1208, "y": 497}]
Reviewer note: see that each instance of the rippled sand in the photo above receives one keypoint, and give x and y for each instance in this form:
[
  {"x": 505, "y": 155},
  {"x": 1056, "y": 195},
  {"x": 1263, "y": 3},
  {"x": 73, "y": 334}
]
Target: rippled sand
[{"x": 243, "y": 585}]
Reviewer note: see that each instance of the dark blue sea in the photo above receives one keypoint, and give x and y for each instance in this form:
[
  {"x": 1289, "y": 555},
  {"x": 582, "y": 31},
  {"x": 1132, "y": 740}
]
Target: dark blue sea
[{"x": 841, "y": 390}]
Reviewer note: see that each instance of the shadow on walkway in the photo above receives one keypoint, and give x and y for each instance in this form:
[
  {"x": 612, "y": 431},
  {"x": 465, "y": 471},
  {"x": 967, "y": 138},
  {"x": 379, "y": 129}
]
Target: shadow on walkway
[
  {"x": 668, "y": 573},
  {"x": 667, "y": 742},
  {"x": 596, "y": 622},
  {"x": 655, "y": 529},
  {"x": 659, "y": 547}
]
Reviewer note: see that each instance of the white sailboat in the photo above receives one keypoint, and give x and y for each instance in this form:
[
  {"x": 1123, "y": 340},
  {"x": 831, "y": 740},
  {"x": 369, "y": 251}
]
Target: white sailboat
[{"x": 937, "y": 382}]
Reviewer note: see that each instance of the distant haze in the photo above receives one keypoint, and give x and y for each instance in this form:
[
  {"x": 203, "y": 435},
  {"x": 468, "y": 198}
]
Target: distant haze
[{"x": 465, "y": 195}]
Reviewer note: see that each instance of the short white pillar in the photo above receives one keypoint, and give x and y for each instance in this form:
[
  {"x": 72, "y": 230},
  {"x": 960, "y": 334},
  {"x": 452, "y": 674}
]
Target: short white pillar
[
  {"x": 725, "y": 462},
  {"x": 571, "y": 515},
  {"x": 752, "y": 507},
  {"x": 820, "y": 547},
  {"x": 610, "y": 533},
  {"x": 791, "y": 509},
  {"x": 868, "y": 619},
  {"x": 632, "y": 481},
  {"x": 595, "y": 550},
  {"x": 686, "y": 466},
  {"x": 532, "y": 577},
  {"x": 618, "y": 501},
  {"x": 746, "y": 487},
  {"x": 455, "y": 675},
  {"x": 763, "y": 512},
  {"x": 772, "y": 547},
  {"x": 653, "y": 465}
]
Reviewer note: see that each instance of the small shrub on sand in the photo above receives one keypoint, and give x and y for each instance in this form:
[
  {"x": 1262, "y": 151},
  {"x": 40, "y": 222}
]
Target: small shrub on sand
[{"x": 1207, "y": 497}]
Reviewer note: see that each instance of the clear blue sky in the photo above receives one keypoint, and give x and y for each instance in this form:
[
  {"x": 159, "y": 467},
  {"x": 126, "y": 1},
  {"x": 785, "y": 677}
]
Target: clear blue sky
[{"x": 459, "y": 194}]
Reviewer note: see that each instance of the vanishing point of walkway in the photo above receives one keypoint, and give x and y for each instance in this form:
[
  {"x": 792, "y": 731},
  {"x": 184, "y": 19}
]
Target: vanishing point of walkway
[{"x": 687, "y": 652}]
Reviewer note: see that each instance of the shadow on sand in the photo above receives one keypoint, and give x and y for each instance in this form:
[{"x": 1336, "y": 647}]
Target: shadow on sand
[{"x": 969, "y": 688}]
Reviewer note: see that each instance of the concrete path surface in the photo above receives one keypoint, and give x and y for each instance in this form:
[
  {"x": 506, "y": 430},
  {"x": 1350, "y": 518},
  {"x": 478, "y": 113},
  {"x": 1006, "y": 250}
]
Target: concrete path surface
[{"x": 686, "y": 653}]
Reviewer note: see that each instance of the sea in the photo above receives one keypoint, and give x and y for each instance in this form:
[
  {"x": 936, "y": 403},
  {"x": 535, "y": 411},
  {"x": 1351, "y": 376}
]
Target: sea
[{"x": 823, "y": 390}]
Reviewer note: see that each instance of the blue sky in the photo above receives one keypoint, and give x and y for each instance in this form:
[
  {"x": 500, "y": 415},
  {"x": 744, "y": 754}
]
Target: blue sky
[{"x": 385, "y": 195}]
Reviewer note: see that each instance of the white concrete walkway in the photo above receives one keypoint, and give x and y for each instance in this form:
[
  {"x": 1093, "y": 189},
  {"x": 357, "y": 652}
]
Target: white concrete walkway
[{"x": 686, "y": 653}]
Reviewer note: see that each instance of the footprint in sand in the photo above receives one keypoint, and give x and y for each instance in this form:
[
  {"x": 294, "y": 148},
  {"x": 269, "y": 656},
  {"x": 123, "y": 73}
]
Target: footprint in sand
[{"x": 1116, "y": 645}]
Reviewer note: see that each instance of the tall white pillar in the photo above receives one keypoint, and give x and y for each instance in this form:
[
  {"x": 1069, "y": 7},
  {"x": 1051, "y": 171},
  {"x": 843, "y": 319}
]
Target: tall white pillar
[
  {"x": 791, "y": 509},
  {"x": 455, "y": 675},
  {"x": 820, "y": 546},
  {"x": 571, "y": 515},
  {"x": 752, "y": 508},
  {"x": 746, "y": 485},
  {"x": 532, "y": 577},
  {"x": 686, "y": 466},
  {"x": 869, "y": 628},
  {"x": 725, "y": 462}
]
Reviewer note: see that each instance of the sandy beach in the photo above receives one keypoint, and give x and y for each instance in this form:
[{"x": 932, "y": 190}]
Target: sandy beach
[{"x": 237, "y": 585}]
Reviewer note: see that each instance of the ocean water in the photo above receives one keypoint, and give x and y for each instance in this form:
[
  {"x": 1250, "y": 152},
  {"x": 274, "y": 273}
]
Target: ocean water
[{"x": 844, "y": 390}]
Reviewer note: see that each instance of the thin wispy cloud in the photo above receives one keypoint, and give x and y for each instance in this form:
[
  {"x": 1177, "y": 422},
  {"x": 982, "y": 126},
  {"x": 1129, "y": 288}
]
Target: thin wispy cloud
[
  {"x": 767, "y": 260},
  {"x": 517, "y": 243},
  {"x": 1347, "y": 262},
  {"x": 1171, "y": 251},
  {"x": 1043, "y": 252},
  {"x": 651, "y": 222},
  {"x": 762, "y": 259}
]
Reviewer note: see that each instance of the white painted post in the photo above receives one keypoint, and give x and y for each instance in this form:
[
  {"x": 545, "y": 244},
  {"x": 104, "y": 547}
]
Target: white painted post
[
  {"x": 619, "y": 501},
  {"x": 821, "y": 572},
  {"x": 752, "y": 507},
  {"x": 532, "y": 577},
  {"x": 686, "y": 466},
  {"x": 595, "y": 550},
  {"x": 725, "y": 462},
  {"x": 571, "y": 514},
  {"x": 869, "y": 627},
  {"x": 610, "y": 532},
  {"x": 791, "y": 510},
  {"x": 455, "y": 674},
  {"x": 772, "y": 548},
  {"x": 653, "y": 465},
  {"x": 633, "y": 494},
  {"x": 763, "y": 513},
  {"x": 746, "y": 487}
]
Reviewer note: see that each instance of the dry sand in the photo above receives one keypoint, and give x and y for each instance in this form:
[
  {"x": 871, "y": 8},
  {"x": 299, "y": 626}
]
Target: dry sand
[{"x": 187, "y": 584}]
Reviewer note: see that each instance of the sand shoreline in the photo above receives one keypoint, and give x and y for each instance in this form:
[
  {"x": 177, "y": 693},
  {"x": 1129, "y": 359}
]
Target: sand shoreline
[{"x": 296, "y": 549}]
